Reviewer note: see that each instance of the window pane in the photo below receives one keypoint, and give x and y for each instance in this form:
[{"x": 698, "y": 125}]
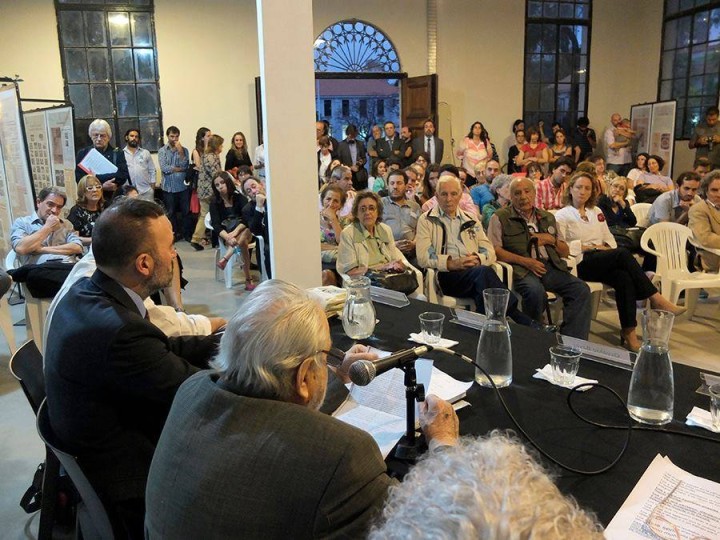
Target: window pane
[
  {"x": 700, "y": 30},
  {"x": 126, "y": 100},
  {"x": 714, "y": 25},
  {"x": 532, "y": 97},
  {"x": 534, "y": 9},
  {"x": 568, "y": 42},
  {"x": 582, "y": 12},
  {"x": 681, "y": 63},
  {"x": 532, "y": 67},
  {"x": 71, "y": 28},
  {"x": 668, "y": 59},
  {"x": 665, "y": 90},
  {"x": 119, "y": 24},
  {"x": 550, "y": 10},
  {"x": 123, "y": 65},
  {"x": 696, "y": 86},
  {"x": 679, "y": 88},
  {"x": 141, "y": 30},
  {"x": 151, "y": 133},
  {"x": 95, "y": 28},
  {"x": 563, "y": 97},
  {"x": 534, "y": 38},
  {"x": 147, "y": 99},
  {"x": 144, "y": 65},
  {"x": 549, "y": 38},
  {"x": 697, "y": 60},
  {"x": 547, "y": 97},
  {"x": 686, "y": 4},
  {"x": 712, "y": 58},
  {"x": 101, "y": 100},
  {"x": 548, "y": 68},
  {"x": 683, "y": 36},
  {"x": 80, "y": 98},
  {"x": 711, "y": 84},
  {"x": 75, "y": 65},
  {"x": 98, "y": 65},
  {"x": 670, "y": 38},
  {"x": 671, "y": 6},
  {"x": 566, "y": 10}
]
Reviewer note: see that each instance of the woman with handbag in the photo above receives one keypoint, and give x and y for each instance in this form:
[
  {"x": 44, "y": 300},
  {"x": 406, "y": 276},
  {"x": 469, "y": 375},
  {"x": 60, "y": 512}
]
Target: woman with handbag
[
  {"x": 209, "y": 168},
  {"x": 368, "y": 247},
  {"x": 583, "y": 226},
  {"x": 619, "y": 215},
  {"x": 226, "y": 218}
]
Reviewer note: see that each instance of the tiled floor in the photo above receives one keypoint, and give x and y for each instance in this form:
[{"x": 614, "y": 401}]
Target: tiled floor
[{"x": 694, "y": 342}]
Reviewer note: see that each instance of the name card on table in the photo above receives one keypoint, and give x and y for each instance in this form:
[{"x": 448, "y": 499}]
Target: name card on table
[
  {"x": 463, "y": 317},
  {"x": 708, "y": 379},
  {"x": 605, "y": 354},
  {"x": 388, "y": 297}
]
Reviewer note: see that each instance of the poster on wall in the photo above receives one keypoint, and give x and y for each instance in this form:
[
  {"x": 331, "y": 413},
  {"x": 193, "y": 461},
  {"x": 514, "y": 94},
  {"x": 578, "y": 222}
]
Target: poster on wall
[
  {"x": 662, "y": 133},
  {"x": 5, "y": 219},
  {"x": 59, "y": 122},
  {"x": 18, "y": 179},
  {"x": 38, "y": 149},
  {"x": 640, "y": 116}
]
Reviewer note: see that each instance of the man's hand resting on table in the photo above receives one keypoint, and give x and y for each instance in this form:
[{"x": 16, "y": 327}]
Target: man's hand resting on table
[{"x": 439, "y": 422}]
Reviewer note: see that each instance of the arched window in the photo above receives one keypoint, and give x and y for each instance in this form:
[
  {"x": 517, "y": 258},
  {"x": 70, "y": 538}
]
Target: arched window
[{"x": 354, "y": 46}]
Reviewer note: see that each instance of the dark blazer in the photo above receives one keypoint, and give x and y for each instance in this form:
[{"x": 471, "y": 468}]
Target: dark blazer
[
  {"x": 387, "y": 149},
  {"x": 418, "y": 146},
  {"x": 114, "y": 155},
  {"x": 111, "y": 376},
  {"x": 231, "y": 466},
  {"x": 360, "y": 178}
]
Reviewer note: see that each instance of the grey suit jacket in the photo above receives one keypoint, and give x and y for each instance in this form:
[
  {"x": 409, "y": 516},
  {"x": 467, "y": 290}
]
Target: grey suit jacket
[
  {"x": 231, "y": 466},
  {"x": 418, "y": 145}
]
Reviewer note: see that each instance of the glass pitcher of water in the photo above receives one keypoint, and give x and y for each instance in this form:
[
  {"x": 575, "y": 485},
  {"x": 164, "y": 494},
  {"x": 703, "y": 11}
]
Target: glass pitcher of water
[
  {"x": 652, "y": 389},
  {"x": 358, "y": 316},
  {"x": 494, "y": 353}
]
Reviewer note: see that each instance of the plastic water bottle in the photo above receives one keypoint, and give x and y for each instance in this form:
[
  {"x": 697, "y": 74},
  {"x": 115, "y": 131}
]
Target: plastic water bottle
[
  {"x": 358, "y": 316},
  {"x": 652, "y": 388},
  {"x": 494, "y": 352}
]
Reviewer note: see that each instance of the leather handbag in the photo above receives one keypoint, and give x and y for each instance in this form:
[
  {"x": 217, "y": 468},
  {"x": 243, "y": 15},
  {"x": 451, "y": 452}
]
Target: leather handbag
[{"x": 404, "y": 282}]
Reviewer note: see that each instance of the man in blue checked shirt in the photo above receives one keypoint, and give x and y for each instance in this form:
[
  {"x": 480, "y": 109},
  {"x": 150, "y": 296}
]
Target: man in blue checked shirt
[{"x": 174, "y": 159}]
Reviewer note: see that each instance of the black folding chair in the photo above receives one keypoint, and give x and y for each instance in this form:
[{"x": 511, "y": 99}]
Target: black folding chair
[
  {"x": 26, "y": 365},
  {"x": 92, "y": 520}
]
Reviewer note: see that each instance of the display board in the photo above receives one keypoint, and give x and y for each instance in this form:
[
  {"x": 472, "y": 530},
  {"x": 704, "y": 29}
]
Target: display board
[
  {"x": 50, "y": 141},
  {"x": 17, "y": 185},
  {"x": 655, "y": 127}
]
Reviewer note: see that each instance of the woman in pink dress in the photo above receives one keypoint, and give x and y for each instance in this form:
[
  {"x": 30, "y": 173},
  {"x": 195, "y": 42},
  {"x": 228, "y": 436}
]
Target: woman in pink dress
[{"x": 475, "y": 149}]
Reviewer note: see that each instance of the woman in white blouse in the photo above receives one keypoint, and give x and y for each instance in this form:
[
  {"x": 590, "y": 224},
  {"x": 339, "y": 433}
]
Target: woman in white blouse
[{"x": 582, "y": 225}]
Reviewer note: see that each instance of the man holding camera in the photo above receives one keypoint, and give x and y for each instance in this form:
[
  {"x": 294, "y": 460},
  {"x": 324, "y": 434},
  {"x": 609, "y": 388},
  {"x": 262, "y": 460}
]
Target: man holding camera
[{"x": 706, "y": 138}]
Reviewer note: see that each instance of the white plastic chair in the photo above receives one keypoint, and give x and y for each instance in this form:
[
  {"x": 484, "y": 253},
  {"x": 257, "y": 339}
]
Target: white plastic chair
[
  {"x": 642, "y": 211},
  {"x": 436, "y": 296},
  {"x": 669, "y": 242},
  {"x": 258, "y": 246},
  {"x": 35, "y": 308}
]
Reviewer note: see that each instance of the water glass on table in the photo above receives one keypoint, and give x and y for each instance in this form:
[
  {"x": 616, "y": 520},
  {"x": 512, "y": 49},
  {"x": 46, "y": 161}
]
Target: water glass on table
[
  {"x": 431, "y": 326},
  {"x": 565, "y": 362},
  {"x": 715, "y": 405}
]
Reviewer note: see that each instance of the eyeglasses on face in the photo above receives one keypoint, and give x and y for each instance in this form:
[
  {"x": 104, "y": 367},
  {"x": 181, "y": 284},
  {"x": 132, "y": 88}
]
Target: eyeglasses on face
[{"x": 335, "y": 356}]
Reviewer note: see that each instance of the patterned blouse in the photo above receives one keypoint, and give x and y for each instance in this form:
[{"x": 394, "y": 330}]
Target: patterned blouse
[
  {"x": 83, "y": 220},
  {"x": 208, "y": 170}
]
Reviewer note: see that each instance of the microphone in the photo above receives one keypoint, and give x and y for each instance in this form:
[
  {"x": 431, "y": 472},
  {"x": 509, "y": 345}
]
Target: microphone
[{"x": 364, "y": 371}]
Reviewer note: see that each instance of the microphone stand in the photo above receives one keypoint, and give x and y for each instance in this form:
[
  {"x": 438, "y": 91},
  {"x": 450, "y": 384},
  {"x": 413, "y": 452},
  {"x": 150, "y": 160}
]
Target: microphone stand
[{"x": 408, "y": 448}]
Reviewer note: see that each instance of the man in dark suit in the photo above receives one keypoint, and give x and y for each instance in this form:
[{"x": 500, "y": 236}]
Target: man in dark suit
[
  {"x": 390, "y": 145},
  {"x": 429, "y": 143},
  {"x": 351, "y": 153},
  {"x": 111, "y": 374},
  {"x": 322, "y": 128},
  {"x": 245, "y": 452}
]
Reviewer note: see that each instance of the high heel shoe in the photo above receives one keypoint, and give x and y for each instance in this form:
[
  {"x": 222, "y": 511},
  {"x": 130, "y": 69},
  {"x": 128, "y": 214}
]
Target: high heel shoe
[{"x": 626, "y": 345}]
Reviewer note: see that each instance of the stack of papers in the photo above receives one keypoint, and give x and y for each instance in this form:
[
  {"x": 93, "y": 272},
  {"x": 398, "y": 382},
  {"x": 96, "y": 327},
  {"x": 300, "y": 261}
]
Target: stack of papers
[
  {"x": 95, "y": 163},
  {"x": 668, "y": 502},
  {"x": 331, "y": 298},
  {"x": 379, "y": 408}
]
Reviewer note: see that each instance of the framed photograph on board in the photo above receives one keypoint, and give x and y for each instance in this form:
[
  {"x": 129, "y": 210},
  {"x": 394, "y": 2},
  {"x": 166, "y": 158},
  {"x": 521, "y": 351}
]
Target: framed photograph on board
[
  {"x": 662, "y": 133},
  {"x": 640, "y": 116}
]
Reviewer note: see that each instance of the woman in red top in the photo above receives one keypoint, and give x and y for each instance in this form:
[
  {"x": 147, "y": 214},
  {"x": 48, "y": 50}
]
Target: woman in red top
[{"x": 534, "y": 151}]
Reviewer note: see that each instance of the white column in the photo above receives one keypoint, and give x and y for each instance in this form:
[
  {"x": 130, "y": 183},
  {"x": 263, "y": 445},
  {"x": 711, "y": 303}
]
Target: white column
[{"x": 285, "y": 39}]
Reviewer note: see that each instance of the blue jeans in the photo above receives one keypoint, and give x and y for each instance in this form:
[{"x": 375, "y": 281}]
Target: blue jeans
[
  {"x": 575, "y": 296},
  {"x": 178, "y": 202}
]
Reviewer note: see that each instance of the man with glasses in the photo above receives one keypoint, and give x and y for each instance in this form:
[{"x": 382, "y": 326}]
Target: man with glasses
[
  {"x": 100, "y": 134},
  {"x": 551, "y": 190},
  {"x": 245, "y": 452}
]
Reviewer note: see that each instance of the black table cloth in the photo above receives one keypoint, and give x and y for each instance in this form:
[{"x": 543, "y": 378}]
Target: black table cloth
[{"x": 541, "y": 409}]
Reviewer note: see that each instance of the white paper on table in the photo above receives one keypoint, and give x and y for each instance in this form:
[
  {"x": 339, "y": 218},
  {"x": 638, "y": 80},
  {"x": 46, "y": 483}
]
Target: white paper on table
[
  {"x": 386, "y": 429},
  {"x": 447, "y": 388},
  {"x": 95, "y": 163},
  {"x": 668, "y": 502}
]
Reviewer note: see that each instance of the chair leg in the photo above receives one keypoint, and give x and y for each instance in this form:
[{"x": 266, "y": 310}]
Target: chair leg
[
  {"x": 691, "y": 298},
  {"x": 6, "y": 324},
  {"x": 35, "y": 320},
  {"x": 49, "y": 495}
]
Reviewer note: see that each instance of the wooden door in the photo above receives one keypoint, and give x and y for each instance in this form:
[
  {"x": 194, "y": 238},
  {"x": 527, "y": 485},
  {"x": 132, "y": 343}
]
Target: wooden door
[{"x": 419, "y": 102}]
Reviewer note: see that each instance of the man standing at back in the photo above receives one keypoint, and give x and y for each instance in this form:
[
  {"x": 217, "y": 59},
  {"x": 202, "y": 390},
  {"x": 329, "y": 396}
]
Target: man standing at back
[
  {"x": 174, "y": 161},
  {"x": 111, "y": 375},
  {"x": 617, "y": 148},
  {"x": 706, "y": 138},
  {"x": 429, "y": 143},
  {"x": 351, "y": 153},
  {"x": 100, "y": 135},
  {"x": 391, "y": 145},
  {"x": 140, "y": 165}
]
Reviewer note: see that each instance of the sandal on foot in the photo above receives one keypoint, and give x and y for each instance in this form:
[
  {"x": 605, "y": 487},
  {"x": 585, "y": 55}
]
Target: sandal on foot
[
  {"x": 222, "y": 263},
  {"x": 250, "y": 286}
]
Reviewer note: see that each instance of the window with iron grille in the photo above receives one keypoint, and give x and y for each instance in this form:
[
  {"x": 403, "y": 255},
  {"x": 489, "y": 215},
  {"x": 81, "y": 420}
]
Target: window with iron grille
[
  {"x": 690, "y": 61},
  {"x": 557, "y": 61},
  {"x": 109, "y": 62}
]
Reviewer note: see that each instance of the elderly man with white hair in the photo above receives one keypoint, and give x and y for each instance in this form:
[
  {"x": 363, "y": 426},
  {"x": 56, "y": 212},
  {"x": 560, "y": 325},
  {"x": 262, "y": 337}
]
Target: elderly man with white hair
[
  {"x": 454, "y": 243},
  {"x": 100, "y": 134},
  {"x": 245, "y": 452}
]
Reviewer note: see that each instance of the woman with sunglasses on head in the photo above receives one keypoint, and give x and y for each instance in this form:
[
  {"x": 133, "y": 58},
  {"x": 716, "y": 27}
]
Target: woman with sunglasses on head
[
  {"x": 583, "y": 226},
  {"x": 90, "y": 203}
]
